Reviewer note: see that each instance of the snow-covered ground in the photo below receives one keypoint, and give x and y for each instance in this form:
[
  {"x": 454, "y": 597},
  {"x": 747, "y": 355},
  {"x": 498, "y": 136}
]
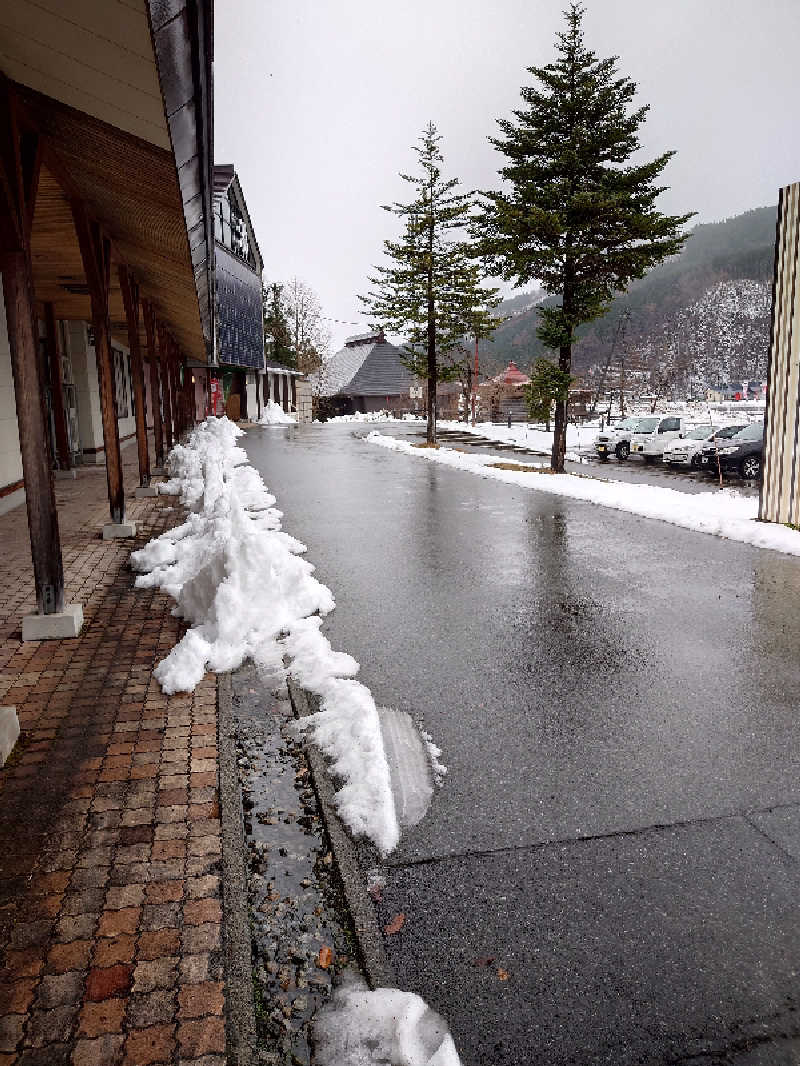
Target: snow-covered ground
[
  {"x": 724, "y": 514},
  {"x": 579, "y": 438},
  {"x": 240, "y": 583},
  {"x": 372, "y": 416}
]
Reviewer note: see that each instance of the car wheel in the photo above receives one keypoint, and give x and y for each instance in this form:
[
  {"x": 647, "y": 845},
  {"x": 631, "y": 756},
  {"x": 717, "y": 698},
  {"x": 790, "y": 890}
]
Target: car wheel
[
  {"x": 649, "y": 459},
  {"x": 750, "y": 467},
  {"x": 603, "y": 457},
  {"x": 623, "y": 450}
]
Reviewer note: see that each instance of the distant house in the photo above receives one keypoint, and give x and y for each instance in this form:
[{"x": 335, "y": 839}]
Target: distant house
[
  {"x": 504, "y": 395},
  {"x": 367, "y": 374}
]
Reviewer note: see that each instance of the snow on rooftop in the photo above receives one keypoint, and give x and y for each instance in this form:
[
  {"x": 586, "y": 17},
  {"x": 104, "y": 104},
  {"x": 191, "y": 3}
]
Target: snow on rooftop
[{"x": 338, "y": 371}]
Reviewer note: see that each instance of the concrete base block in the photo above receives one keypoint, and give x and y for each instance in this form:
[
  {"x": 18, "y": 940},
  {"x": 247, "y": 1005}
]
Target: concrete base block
[
  {"x": 116, "y": 530},
  {"x": 144, "y": 491},
  {"x": 62, "y": 626},
  {"x": 9, "y": 732},
  {"x": 65, "y": 475}
]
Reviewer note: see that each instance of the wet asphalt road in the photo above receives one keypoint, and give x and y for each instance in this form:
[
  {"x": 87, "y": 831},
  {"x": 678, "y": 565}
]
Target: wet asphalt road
[{"x": 617, "y": 703}]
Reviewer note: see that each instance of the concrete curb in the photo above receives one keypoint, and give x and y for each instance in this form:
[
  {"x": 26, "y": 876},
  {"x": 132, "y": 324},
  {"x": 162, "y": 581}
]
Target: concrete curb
[
  {"x": 376, "y": 966},
  {"x": 241, "y": 1019}
]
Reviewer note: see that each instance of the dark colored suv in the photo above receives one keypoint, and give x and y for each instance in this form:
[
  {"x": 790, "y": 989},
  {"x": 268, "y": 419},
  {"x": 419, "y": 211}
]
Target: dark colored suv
[{"x": 740, "y": 454}]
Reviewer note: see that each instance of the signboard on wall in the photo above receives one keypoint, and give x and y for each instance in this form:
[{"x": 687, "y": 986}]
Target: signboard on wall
[{"x": 216, "y": 396}]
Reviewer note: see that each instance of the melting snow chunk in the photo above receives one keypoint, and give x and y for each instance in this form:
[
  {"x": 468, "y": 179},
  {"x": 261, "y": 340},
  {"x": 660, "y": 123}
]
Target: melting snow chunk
[{"x": 386, "y": 1027}]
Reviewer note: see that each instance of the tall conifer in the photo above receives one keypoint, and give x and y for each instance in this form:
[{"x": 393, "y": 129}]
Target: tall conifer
[
  {"x": 431, "y": 291},
  {"x": 575, "y": 214}
]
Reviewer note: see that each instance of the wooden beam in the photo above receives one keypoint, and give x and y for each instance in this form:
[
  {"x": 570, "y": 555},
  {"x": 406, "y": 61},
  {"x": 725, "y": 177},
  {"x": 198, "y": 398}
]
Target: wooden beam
[
  {"x": 54, "y": 363},
  {"x": 155, "y": 390},
  {"x": 130, "y": 300},
  {"x": 18, "y": 181},
  {"x": 96, "y": 256},
  {"x": 163, "y": 354},
  {"x": 285, "y": 392},
  {"x": 293, "y": 381}
]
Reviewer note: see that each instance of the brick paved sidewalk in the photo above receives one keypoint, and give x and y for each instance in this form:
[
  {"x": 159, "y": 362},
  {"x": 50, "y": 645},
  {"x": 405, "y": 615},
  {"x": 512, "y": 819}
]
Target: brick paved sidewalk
[{"x": 110, "y": 839}]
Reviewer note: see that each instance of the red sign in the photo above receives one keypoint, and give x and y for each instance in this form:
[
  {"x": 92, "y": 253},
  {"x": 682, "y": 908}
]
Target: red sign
[{"x": 216, "y": 395}]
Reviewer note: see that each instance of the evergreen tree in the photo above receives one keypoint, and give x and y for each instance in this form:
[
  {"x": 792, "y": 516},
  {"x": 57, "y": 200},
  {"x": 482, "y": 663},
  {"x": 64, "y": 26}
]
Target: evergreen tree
[
  {"x": 578, "y": 217},
  {"x": 549, "y": 384},
  {"x": 431, "y": 290},
  {"x": 277, "y": 334}
]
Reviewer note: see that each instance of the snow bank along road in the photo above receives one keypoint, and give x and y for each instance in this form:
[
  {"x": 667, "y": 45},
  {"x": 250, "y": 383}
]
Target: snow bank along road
[
  {"x": 725, "y": 514},
  {"x": 610, "y": 871},
  {"x": 239, "y": 582}
]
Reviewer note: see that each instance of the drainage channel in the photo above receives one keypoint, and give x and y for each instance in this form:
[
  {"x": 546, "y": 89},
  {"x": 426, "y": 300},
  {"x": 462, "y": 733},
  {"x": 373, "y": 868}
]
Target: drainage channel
[{"x": 302, "y": 939}]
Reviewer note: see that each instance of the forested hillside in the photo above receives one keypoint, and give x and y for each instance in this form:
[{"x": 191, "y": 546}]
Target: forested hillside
[{"x": 686, "y": 310}]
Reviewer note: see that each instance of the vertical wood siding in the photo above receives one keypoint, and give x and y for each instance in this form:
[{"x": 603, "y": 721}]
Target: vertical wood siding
[{"x": 780, "y": 488}]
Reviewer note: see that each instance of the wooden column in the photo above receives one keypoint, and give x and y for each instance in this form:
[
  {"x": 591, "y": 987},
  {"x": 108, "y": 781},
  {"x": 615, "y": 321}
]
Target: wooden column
[
  {"x": 19, "y": 179},
  {"x": 155, "y": 390},
  {"x": 53, "y": 347},
  {"x": 293, "y": 383},
  {"x": 163, "y": 355},
  {"x": 285, "y": 391},
  {"x": 191, "y": 405},
  {"x": 96, "y": 255},
  {"x": 130, "y": 300},
  {"x": 177, "y": 400},
  {"x": 276, "y": 388}
]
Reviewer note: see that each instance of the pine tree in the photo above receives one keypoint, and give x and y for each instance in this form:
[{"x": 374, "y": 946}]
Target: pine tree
[
  {"x": 578, "y": 217},
  {"x": 276, "y": 327},
  {"x": 549, "y": 384},
  {"x": 431, "y": 291}
]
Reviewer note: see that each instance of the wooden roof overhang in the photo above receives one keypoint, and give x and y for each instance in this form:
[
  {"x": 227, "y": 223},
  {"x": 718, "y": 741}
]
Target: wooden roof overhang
[
  {"x": 130, "y": 187},
  {"x": 120, "y": 96}
]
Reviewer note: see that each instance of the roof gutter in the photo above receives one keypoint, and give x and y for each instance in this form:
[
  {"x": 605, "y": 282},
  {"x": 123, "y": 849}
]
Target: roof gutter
[{"x": 182, "y": 35}]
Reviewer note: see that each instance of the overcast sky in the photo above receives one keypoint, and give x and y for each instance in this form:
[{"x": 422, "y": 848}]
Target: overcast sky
[{"x": 318, "y": 103}]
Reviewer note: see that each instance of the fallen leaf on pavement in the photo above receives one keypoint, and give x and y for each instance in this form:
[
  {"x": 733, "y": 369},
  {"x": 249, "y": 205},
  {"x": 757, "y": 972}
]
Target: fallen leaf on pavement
[
  {"x": 325, "y": 958},
  {"x": 395, "y": 925},
  {"x": 502, "y": 974}
]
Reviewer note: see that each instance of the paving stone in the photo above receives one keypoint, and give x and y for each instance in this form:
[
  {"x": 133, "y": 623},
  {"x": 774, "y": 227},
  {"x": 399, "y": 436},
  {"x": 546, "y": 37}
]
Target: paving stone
[
  {"x": 109, "y": 952},
  {"x": 103, "y": 1051},
  {"x": 152, "y": 974},
  {"x": 162, "y": 942},
  {"x": 200, "y": 911},
  {"x": 153, "y": 1044},
  {"x": 106, "y": 982},
  {"x": 11, "y": 1027},
  {"x": 70, "y": 956},
  {"x": 103, "y": 1017},
  {"x": 153, "y": 1008},
  {"x": 55, "y": 990},
  {"x": 201, "y": 1037},
  {"x": 200, "y": 938},
  {"x": 201, "y": 999},
  {"x": 114, "y": 922},
  {"x": 53, "y": 1025}
]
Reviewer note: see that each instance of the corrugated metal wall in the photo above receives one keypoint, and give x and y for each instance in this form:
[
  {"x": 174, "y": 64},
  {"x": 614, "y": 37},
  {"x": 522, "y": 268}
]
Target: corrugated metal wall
[{"x": 780, "y": 488}]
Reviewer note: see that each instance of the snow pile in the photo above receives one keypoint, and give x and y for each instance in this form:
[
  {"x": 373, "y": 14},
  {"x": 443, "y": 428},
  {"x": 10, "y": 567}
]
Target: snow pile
[
  {"x": 274, "y": 415},
  {"x": 366, "y": 416},
  {"x": 723, "y": 514},
  {"x": 386, "y": 1027},
  {"x": 239, "y": 582}
]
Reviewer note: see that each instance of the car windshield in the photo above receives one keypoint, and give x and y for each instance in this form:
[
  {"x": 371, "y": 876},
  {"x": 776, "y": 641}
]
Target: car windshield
[
  {"x": 729, "y": 431},
  {"x": 627, "y": 423},
  {"x": 647, "y": 425},
  {"x": 754, "y": 432},
  {"x": 699, "y": 432}
]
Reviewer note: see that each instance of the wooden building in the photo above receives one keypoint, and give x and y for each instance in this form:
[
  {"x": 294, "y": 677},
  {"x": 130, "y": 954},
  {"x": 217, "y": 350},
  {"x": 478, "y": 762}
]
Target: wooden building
[
  {"x": 780, "y": 480},
  {"x": 106, "y": 251},
  {"x": 240, "y": 319},
  {"x": 367, "y": 374}
]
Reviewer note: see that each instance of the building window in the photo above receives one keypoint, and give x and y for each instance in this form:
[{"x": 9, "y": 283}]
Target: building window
[
  {"x": 121, "y": 384},
  {"x": 230, "y": 227}
]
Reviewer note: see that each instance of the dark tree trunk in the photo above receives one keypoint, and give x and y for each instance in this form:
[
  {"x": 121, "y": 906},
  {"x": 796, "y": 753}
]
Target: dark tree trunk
[{"x": 432, "y": 375}]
